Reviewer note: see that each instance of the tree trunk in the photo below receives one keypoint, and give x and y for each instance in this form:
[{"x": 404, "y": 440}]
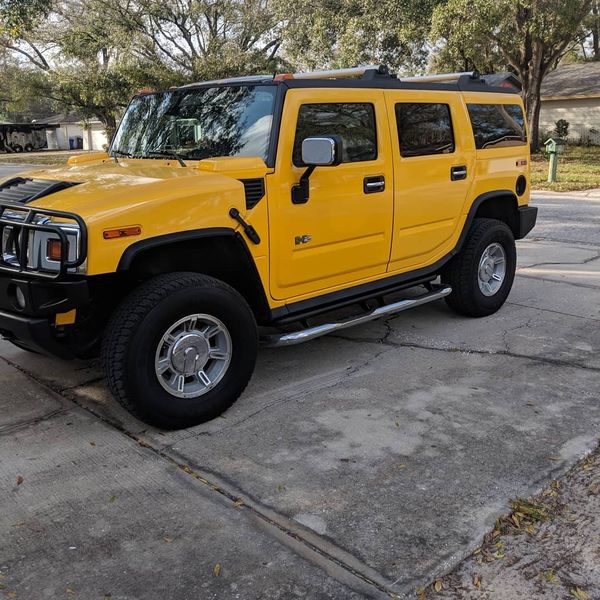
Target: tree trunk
[
  {"x": 532, "y": 97},
  {"x": 110, "y": 125},
  {"x": 596, "y": 30}
]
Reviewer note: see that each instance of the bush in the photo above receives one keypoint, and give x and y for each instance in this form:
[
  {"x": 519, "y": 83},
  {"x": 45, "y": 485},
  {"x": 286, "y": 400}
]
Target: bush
[{"x": 561, "y": 129}]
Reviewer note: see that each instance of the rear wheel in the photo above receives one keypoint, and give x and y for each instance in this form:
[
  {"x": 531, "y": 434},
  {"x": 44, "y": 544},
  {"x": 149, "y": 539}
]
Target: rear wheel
[
  {"x": 180, "y": 350},
  {"x": 482, "y": 274}
]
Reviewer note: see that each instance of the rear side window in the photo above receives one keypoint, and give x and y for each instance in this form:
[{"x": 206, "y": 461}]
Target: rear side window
[
  {"x": 497, "y": 125},
  {"x": 424, "y": 128},
  {"x": 353, "y": 122}
]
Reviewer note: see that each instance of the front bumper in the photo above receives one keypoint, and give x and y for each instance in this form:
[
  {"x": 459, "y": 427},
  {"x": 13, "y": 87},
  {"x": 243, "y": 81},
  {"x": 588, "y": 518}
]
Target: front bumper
[
  {"x": 32, "y": 324},
  {"x": 527, "y": 219},
  {"x": 34, "y": 334}
]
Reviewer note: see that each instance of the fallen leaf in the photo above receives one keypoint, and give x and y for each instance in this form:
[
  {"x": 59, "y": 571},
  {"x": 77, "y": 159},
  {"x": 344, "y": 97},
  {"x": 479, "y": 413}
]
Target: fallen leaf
[
  {"x": 11, "y": 594},
  {"x": 239, "y": 502},
  {"x": 92, "y": 443},
  {"x": 112, "y": 499},
  {"x": 477, "y": 581},
  {"x": 217, "y": 570},
  {"x": 70, "y": 591},
  {"x": 438, "y": 586},
  {"x": 168, "y": 540},
  {"x": 420, "y": 594},
  {"x": 553, "y": 457},
  {"x": 580, "y": 594},
  {"x": 280, "y": 488},
  {"x": 20, "y": 480}
]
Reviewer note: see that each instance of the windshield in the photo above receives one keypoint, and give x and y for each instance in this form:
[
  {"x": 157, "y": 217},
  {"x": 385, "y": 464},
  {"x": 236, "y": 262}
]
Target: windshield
[{"x": 198, "y": 123}]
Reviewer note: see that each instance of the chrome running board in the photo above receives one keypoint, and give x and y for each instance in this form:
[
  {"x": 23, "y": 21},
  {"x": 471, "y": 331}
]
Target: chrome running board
[{"x": 297, "y": 337}]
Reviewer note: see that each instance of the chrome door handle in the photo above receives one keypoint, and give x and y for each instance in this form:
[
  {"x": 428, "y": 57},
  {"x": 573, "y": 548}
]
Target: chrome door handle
[
  {"x": 458, "y": 173},
  {"x": 374, "y": 184}
]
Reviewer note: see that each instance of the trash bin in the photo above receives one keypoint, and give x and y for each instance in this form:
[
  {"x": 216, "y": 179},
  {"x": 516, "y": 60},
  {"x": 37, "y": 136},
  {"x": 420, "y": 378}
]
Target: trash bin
[{"x": 72, "y": 143}]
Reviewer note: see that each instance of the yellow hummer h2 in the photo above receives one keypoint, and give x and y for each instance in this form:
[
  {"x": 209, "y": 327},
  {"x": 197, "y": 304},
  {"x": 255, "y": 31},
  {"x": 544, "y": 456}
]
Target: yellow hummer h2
[{"x": 254, "y": 208}]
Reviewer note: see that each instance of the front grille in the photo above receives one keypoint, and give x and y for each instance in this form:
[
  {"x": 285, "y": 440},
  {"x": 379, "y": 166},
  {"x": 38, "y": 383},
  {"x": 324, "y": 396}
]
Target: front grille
[
  {"x": 255, "y": 190},
  {"x": 23, "y": 190}
]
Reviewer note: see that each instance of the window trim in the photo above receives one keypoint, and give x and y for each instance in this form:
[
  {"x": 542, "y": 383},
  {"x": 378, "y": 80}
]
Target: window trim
[
  {"x": 398, "y": 131},
  {"x": 496, "y": 145},
  {"x": 344, "y": 162}
]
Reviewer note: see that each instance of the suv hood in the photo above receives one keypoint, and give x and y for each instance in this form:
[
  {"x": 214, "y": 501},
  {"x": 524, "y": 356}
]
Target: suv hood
[{"x": 94, "y": 190}]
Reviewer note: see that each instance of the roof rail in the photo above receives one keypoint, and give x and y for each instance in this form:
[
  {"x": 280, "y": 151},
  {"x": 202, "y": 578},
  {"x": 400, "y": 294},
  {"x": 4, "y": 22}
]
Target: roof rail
[
  {"x": 338, "y": 73},
  {"x": 440, "y": 77}
]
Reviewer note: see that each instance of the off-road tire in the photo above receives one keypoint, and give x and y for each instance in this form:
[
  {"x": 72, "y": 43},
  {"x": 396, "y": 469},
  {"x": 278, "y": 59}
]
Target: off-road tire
[
  {"x": 134, "y": 333},
  {"x": 462, "y": 271}
]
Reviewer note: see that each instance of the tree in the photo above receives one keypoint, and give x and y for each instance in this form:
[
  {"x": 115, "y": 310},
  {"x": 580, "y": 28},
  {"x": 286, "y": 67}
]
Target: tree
[
  {"x": 341, "y": 33},
  {"x": 202, "y": 39},
  {"x": 528, "y": 36}
]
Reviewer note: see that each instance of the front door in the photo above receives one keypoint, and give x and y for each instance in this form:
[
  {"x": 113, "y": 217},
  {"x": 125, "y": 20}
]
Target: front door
[{"x": 342, "y": 234}]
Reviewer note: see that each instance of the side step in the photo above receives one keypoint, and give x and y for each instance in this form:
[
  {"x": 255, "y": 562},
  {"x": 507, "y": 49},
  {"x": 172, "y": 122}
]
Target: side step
[{"x": 297, "y": 337}]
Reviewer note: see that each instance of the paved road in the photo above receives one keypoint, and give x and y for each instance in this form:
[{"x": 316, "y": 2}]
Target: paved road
[
  {"x": 356, "y": 466},
  {"x": 8, "y": 169}
]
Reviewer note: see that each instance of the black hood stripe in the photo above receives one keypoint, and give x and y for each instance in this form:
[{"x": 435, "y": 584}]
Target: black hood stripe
[{"x": 24, "y": 190}]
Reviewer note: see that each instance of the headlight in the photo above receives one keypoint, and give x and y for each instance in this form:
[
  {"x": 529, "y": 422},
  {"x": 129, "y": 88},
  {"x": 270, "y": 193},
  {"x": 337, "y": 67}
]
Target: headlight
[{"x": 44, "y": 250}]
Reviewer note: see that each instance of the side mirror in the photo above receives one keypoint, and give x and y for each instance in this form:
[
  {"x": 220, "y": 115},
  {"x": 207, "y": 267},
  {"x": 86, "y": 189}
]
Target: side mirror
[
  {"x": 322, "y": 151},
  {"x": 316, "y": 152}
]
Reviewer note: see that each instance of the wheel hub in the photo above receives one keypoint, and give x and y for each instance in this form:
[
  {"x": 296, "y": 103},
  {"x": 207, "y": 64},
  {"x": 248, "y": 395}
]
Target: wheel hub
[
  {"x": 193, "y": 356},
  {"x": 492, "y": 269},
  {"x": 189, "y": 353}
]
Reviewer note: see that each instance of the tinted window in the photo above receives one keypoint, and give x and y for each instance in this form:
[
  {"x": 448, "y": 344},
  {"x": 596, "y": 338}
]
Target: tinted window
[
  {"x": 424, "y": 128},
  {"x": 198, "y": 123},
  {"x": 497, "y": 125},
  {"x": 354, "y": 123}
]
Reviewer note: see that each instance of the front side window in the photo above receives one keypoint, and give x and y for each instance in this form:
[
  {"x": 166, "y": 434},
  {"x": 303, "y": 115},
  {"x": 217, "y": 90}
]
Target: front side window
[
  {"x": 198, "y": 123},
  {"x": 424, "y": 128},
  {"x": 497, "y": 125},
  {"x": 353, "y": 122}
]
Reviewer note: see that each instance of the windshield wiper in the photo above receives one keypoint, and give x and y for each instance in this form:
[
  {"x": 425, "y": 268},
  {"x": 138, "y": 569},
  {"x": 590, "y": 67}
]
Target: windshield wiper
[{"x": 167, "y": 152}]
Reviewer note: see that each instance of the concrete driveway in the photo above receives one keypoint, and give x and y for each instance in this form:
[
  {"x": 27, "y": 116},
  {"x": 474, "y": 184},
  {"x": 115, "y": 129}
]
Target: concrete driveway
[{"x": 359, "y": 465}]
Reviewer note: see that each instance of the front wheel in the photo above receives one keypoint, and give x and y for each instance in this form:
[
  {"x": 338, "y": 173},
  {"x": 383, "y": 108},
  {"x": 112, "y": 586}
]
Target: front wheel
[
  {"x": 180, "y": 350},
  {"x": 482, "y": 274}
]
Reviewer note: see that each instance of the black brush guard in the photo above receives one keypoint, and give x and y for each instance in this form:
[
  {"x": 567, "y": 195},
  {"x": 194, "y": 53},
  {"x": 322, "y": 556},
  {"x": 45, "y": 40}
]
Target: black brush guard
[{"x": 20, "y": 229}]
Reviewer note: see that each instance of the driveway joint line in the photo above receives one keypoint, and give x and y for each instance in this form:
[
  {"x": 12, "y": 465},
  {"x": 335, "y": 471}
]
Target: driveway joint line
[{"x": 237, "y": 500}]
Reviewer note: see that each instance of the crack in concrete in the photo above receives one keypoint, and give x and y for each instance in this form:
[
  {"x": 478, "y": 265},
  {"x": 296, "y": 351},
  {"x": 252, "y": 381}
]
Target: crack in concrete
[
  {"x": 572, "y": 283},
  {"x": 557, "y": 312},
  {"x": 539, "y": 359}
]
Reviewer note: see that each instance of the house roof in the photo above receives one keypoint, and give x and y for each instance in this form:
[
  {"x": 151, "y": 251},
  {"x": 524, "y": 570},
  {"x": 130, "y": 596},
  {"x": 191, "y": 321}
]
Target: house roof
[
  {"x": 580, "y": 80},
  {"x": 61, "y": 118}
]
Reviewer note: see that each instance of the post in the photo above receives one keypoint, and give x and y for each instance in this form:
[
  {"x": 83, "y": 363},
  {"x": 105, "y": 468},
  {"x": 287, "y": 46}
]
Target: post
[{"x": 552, "y": 167}]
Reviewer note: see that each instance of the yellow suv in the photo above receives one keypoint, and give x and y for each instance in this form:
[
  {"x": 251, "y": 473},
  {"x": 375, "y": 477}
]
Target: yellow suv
[{"x": 272, "y": 208}]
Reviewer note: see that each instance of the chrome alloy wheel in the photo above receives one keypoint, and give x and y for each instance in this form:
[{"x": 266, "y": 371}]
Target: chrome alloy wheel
[
  {"x": 193, "y": 356},
  {"x": 492, "y": 269}
]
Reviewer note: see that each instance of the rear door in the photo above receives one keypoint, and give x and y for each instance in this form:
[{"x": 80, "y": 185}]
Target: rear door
[
  {"x": 342, "y": 234},
  {"x": 433, "y": 150}
]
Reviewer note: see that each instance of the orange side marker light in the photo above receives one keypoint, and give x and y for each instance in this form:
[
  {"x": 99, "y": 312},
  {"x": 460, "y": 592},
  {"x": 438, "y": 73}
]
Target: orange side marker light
[{"x": 113, "y": 234}]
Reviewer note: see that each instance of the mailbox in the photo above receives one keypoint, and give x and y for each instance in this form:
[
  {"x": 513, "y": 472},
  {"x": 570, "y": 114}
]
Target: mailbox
[{"x": 555, "y": 146}]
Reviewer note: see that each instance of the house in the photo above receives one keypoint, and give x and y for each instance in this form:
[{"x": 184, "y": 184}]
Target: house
[
  {"x": 572, "y": 92},
  {"x": 75, "y": 132}
]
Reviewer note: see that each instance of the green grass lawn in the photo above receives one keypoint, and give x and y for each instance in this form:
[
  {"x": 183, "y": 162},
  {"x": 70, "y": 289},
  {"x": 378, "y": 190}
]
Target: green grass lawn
[{"x": 578, "y": 169}]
